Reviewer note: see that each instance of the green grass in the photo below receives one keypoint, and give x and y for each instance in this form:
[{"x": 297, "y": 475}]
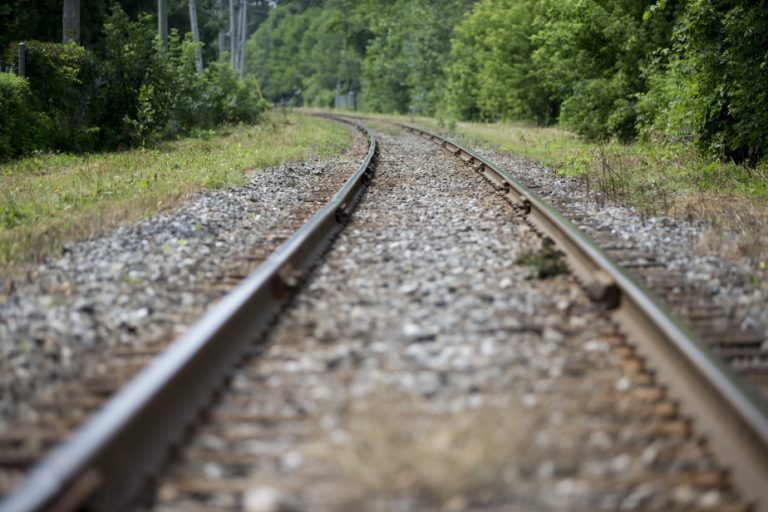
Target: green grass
[{"x": 52, "y": 198}]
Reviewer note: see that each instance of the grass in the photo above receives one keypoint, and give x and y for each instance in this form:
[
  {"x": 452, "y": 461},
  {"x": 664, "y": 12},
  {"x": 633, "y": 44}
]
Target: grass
[
  {"x": 655, "y": 176},
  {"x": 48, "y": 199}
]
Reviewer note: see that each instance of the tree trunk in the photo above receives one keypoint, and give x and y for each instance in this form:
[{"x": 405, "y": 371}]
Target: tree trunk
[
  {"x": 243, "y": 36},
  {"x": 162, "y": 22},
  {"x": 196, "y": 36},
  {"x": 71, "y": 21},
  {"x": 232, "y": 34},
  {"x": 222, "y": 34}
]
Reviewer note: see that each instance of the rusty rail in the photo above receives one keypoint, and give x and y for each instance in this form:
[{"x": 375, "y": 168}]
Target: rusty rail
[
  {"x": 105, "y": 464},
  {"x": 730, "y": 415}
]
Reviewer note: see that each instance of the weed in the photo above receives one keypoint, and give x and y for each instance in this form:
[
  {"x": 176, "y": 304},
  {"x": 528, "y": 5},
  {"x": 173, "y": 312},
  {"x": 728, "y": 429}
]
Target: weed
[
  {"x": 130, "y": 280},
  {"x": 549, "y": 262}
]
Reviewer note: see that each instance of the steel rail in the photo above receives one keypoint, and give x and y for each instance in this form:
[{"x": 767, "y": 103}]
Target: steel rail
[
  {"x": 106, "y": 463},
  {"x": 731, "y": 416}
]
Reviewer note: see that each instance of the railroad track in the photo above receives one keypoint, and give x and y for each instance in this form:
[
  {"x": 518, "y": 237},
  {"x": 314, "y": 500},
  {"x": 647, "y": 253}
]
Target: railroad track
[{"x": 107, "y": 463}]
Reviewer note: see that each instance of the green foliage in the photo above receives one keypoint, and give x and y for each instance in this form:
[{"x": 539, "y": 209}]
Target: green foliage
[
  {"x": 135, "y": 94},
  {"x": 549, "y": 262},
  {"x": 491, "y": 75},
  {"x": 392, "y": 52},
  {"x": 273, "y": 54},
  {"x": 304, "y": 56},
  {"x": 136, "y": 91},
  {"x": 22, "y": 128},
  {"x": 403, "y": 66},
  {"x": 715, "y": 88},
  {"x": 61, "y": 79},
  {"x": 577, "y": 61}
]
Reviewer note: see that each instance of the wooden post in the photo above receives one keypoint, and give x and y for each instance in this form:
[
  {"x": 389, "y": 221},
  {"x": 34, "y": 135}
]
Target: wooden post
[
  {"x": 162, "y": 22},
  {"x": 71, "y": 21},
  {"x": 22, "y": 59}
]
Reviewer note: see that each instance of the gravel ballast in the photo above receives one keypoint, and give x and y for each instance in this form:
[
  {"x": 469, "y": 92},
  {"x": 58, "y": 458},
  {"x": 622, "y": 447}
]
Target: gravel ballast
[
  {"x": 695, "y": 252},
  {"x": 423, "y": 368},
  {"x": 146, "y": 283}
]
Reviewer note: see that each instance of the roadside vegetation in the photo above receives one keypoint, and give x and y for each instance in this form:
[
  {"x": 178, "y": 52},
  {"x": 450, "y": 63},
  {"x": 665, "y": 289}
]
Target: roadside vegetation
[
  {"x": 129, "y": 91},
  {"x": 656, "y": 176},
  {"x": 47, "y": 199}
]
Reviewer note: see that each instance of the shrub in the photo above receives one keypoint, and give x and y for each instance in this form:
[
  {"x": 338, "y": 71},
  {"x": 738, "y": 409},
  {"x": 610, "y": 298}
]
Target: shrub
[
  {"x": 717, "y": 80},
  {"x": 62, "y": 81},
  {"x": 136, "y": 94},
  {"x": 227, "y": 99},
  {"x": 130, "y": 59},
  {"x": 151, "y": 94},
  {"x": 22, "y": 128},
  {"x": 599, "y": 109}
]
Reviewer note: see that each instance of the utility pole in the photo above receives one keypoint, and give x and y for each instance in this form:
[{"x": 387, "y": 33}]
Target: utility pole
[
  {"x": 196, "y": 36},
  {"x": 71, "y": 21},
  {"x": 162, "y": 22}
]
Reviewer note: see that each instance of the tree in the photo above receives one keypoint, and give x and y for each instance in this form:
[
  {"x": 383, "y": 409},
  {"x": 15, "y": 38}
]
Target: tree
[
  {"x": 195, "y": 36},
  {"x": 71, "y": 21},
  {"x": 491, "y": 75},
  {"x": 403, "y": 68},
  {"x": 715, "y": 88}
]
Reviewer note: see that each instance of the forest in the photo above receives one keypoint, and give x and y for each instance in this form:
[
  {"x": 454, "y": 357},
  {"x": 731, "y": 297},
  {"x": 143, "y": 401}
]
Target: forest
[
  {"x": 683, "y": 70},
  {"x": 690, "y": 70}
]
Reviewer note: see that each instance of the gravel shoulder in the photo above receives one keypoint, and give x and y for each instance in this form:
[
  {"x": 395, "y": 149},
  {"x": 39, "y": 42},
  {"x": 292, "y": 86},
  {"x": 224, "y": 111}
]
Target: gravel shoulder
[
  {"x": 144, "y": 284},
  {"x": 422, "y": 368}
]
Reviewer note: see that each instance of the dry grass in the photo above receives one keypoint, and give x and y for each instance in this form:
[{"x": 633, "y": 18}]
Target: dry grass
[
  {"x": 739, "y": 224},
  {"x": 674, "y": 182},
  {"x": 395, "y": 448},
  {"x": 46, "y": 200}
]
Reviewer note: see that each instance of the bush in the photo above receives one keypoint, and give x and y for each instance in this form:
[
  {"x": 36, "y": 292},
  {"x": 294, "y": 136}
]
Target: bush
[
  {"x": 151, "y": 94},
  {"x": 599, "y": 109},
  {"x": 22, "y": 128},
  {"x": 716, "y": 84},
  {"x": 227, "y": 99},
  {"x": 61, "y": 79},
  {"x": 136, "y": 94}
]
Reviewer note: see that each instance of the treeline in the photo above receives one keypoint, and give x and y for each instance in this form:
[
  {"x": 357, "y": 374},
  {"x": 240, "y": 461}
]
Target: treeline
[
  {"x": 392, "y": 52},
  {"x": 125, "y": 89},
  {"x": 694, "y": 70}
]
